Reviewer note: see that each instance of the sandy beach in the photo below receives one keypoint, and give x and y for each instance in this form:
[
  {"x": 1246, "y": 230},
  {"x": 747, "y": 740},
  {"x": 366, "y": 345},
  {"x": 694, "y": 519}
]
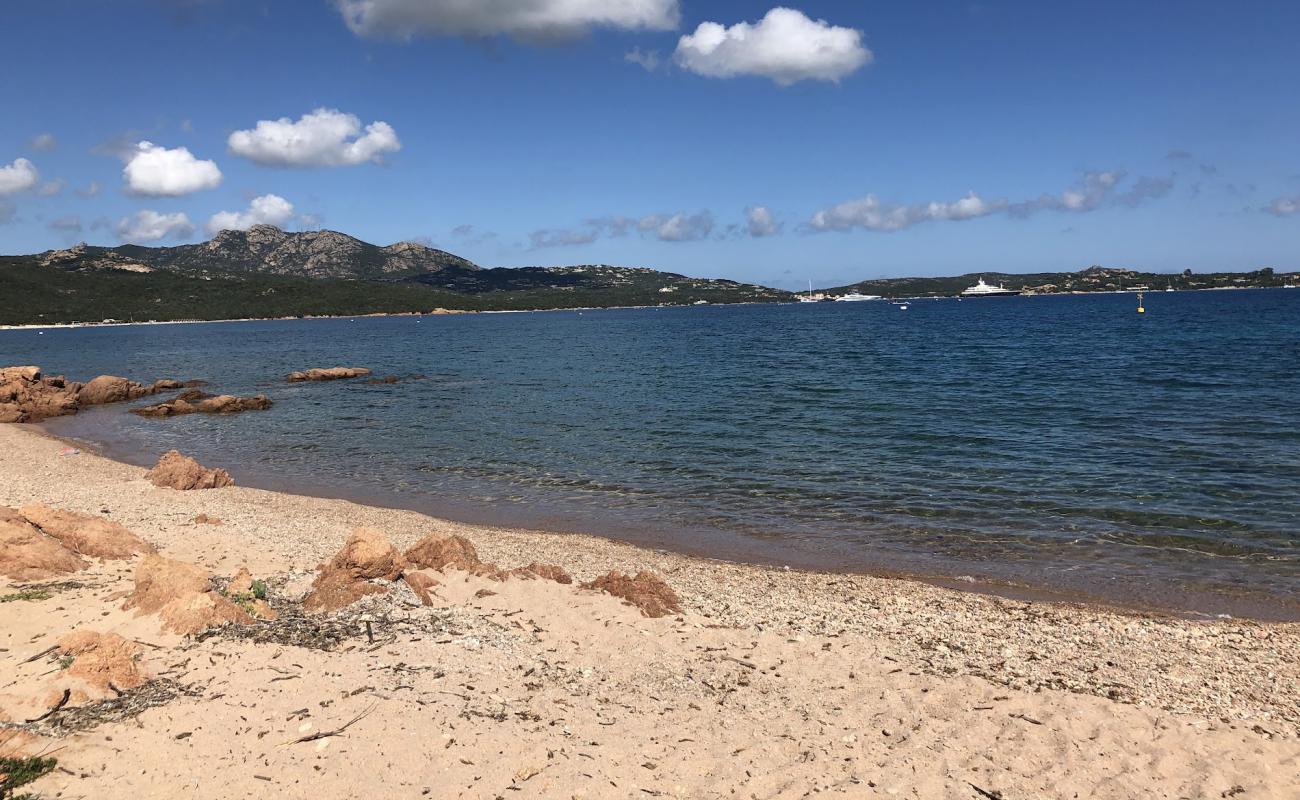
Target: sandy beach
[{"x": 771, "y": 683}]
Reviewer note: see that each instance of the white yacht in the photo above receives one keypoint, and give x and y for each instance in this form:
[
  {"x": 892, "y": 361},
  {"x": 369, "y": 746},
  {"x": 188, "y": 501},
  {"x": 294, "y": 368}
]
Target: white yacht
[
  {"x": 982, "y": 289},
  {"x": 853, "y": 297}
]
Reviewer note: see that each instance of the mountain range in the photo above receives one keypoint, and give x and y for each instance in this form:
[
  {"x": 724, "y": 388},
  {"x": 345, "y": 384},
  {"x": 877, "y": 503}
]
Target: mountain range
[{"x": 266, "y": 272}]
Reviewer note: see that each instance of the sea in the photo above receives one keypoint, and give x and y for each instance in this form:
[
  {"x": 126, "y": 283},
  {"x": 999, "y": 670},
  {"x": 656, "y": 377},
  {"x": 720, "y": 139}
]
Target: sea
[{"x": 1050, "y": 446}]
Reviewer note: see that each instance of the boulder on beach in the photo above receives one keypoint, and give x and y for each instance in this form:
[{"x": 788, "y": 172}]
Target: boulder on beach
[
  {"x": 646, "y": 591},
  {"x": 107, "y": 662},
  {"x": 85, "y": 534},
  {"x": 547, "y": 572},
  {"x": 366, "y": 556},
  {"x": 421, "y": 583},
  {"x": 177, "y": 471},
  {"x": 439, "y": 552},
  {"x": 39, "y": 542},
  {"x": 182, "y": 596},
  {"x": 26, "y": 554},
  {"x": 194, "y": 401},
  {"x": 327, "y": 374},
  {"x": 26, "y": 395}
]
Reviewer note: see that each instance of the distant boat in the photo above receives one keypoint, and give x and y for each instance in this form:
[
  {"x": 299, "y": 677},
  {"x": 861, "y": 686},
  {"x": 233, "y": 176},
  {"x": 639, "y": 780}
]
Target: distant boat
[
  {"x": 809, "y": 298},
  {"x": 982, "y": 289},
  {"x": 854, "y": 297}
]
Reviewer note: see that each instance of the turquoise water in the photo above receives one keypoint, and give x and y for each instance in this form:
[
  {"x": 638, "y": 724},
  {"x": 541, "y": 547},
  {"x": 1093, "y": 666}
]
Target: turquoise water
[{"x": 1061, "y": 444}]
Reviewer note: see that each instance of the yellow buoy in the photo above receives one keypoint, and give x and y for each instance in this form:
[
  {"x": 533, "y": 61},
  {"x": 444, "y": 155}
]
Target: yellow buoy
[{"x": 1141, "y": 310}]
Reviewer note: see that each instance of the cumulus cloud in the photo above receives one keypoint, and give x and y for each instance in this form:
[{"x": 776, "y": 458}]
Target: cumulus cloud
[
  {"x": 528, "y": 20},
  {"x": 646, "y": 59},
  {"x": 154, "y": 171},
  {"x": 269, "y": 209},
  {"x": 873, "y": 214},
  {"x": 679, "y": 227},
  {"x": 759, "y": 222},
  {"x": 785, "y": 46},
  {"x": 326, "y": 137},
  {"x": 44, "y": 142},
  {"x": 150, "y": 226},
  {"x": 19, "y": 176},
  {"x": 1284, "y": 206},
  {"x": 1094, "y": 190}
]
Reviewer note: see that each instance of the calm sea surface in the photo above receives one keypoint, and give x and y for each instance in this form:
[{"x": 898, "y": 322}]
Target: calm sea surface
[{"x": 1064, "y": 444}]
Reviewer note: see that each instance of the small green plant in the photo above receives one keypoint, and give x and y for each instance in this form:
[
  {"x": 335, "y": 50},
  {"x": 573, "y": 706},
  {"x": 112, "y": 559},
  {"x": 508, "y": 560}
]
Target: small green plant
[
  {"x": 66, "y": 660},
  {"x": 26, "y": 594},
  {"x": 259, "y": 589},
  {"x": 16, "y": 772}
]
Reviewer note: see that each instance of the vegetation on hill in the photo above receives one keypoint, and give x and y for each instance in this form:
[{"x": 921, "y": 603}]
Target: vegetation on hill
[
  {"x": 266, "y": 272},
  {"x": 32, "y": 294},
  {"x": 1093, "y": 279}
]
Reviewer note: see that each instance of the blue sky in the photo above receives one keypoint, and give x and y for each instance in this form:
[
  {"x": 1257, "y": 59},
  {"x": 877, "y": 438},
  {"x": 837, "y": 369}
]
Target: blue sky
[{"x": 878, "y": 139}]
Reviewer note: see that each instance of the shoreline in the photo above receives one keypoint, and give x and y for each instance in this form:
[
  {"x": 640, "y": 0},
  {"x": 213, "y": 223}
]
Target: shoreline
[
  {"x": 652, "y": 540},
  {"x": 767, "y": 682},
  {"x": 837, "y": 595},
  {"x": 462, "y": 312}
]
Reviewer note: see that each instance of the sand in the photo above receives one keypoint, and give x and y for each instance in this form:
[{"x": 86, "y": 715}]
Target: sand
[{"x": 772, "y": 683}]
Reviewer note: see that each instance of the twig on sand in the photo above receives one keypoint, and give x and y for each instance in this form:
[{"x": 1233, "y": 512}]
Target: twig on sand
[
  {"x": 63, "y": 701},
  {"x": 311, "y": 737},
  {"x": 44, "y": 652},
  {"x": 1030, "y": 720},
  {"x": 993, "y": 795},
  {"x": 742, "y": 662}
]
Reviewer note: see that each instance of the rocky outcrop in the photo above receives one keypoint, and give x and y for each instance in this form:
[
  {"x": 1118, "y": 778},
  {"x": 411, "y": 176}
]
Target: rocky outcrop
[
  {"x": 367, "y": 556},
  {"x": 182, "y": 596},
  {"x": 177, "y": 471},
  {"x": 646, "y": 591},
  {"x": 38, "y": 542},
  {"x": 327, "y": 374},
  {"x": 107, "y": 662},
  {"x": 26, "y": 554},
  {"x": 194, "y": 401},
  {"x": 28, "y": 396},
  {"x": 547, "y": 572},
  {"x": 440, "y": 552},
  {"x": 112, "y": 389},
  {"x": 422, "y": 584},
  {"x": 85, "y": 534}
]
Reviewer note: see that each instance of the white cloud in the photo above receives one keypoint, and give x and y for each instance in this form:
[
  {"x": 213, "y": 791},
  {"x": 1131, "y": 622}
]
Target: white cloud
[
  {"x": 91, "y": 189},
  {"x": 18, "y": 176},
  {"x": 1095, "y": 190},
  {"x": 150, "y": 226},
  {"x": 646, "y": 59},
  {"x": 154, "y": 171},
  {"x": 679, "y": 227},
  {"x": 870, "y": 213},
  {"x": 51, "y": 188},
  {"x": 760, "y": 222},
  {"x": 269, "y": 209},
  {"x": 44, "y": 142},
  {"x": 785, "y": 46},
  {"x": 324, "y": 138},
  {"x": 1284, "y": 206},
  {"x": 531, "y": 20}
]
